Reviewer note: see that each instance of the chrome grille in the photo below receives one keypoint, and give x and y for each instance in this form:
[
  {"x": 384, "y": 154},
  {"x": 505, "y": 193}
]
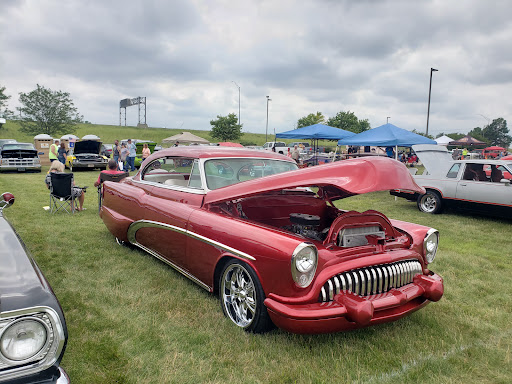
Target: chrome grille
[{"x": 371, "y": 280}]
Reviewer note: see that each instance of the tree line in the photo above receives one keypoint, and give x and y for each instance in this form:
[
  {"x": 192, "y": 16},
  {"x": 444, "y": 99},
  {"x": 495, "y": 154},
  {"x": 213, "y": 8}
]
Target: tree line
[
  {"x": 53, "y": 112},
  {"x": 494, "y": 133}
]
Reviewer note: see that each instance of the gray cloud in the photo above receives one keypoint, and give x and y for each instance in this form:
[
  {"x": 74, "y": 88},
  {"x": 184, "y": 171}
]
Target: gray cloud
[{"x": 370, "y": 57}]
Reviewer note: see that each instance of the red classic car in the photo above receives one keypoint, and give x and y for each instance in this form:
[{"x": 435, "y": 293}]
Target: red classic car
[{"x": 272, "y": 244}]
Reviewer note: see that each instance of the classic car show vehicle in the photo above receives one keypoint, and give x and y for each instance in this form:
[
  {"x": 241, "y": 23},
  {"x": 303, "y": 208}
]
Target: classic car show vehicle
[
  {"x": 33, "y": 331},
  {"x": 86, "y": 155},
  {"x": 19, "y": 157},
  {"x": 476, "y": 185},
  {"x": 267, "y": 237}
]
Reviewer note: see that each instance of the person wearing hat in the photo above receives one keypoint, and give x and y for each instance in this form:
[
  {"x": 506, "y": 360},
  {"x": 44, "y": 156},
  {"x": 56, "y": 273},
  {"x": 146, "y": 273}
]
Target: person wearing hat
[{"x": 176, "y": 144}]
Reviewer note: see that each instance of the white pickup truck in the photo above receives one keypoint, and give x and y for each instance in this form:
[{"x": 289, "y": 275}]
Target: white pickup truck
[{"x": 280, "y": 146}]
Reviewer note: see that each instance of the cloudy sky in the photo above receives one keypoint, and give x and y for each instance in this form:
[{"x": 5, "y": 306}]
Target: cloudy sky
[{"x": 369, "y": 57}]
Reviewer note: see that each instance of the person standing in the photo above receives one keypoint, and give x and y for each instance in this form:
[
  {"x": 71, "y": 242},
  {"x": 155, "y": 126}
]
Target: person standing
[
  {"x": 295, "y": 154},
  {"x": 62, "y": 153},
  {"x": 54, "y": 151},
  {"x": 131, "y": 156},
  {"x": 124, "y": 155},
  {"x": 116, "y": 151},
  {"x": 145, "y": 152}
]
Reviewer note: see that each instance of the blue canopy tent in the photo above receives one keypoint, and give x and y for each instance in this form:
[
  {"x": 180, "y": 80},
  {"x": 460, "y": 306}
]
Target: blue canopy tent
[
  {"x": 316, "y": 132},
  {"x": 387, "y": 135}
]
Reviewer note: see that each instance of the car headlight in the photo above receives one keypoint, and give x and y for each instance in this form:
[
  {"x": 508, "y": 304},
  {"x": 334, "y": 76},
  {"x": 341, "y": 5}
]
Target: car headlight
[
  {"x": 304, "y": 263},
  {"x": 430, "y": 244},
  {"x": 23, "y": 339}
]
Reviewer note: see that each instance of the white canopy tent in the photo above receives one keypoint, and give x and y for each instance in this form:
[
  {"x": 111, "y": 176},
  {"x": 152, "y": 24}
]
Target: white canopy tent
[
  {"x": 443, "y": 140},
  {"x": 185, "y": 138}
]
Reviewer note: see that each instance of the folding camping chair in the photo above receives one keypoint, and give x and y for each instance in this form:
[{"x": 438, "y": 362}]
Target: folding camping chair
[
  {"x": 61, "y": 193},
  {"x": 108, "y": 177}
]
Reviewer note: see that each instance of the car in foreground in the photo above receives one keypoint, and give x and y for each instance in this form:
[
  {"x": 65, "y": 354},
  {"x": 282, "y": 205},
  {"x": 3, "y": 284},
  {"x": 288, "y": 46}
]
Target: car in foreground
[
  {"x": 475, "y": 184},
  {"x": 33, "y": 331},
  {"x": 86, "y": 155},
  {"x": 267, "y": 238},
  {"x": 19, "y": 157}
]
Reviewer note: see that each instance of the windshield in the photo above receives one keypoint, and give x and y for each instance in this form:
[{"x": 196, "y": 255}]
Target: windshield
[
  {"x": 18, "y": 146},
  {"x": 223, "y": 172}
]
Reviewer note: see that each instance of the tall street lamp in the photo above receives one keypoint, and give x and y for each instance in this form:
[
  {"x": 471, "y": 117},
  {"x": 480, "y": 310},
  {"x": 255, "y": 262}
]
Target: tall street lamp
[
  {"x": 238, "y": 101},
  {"x": 429, "y": 92},
  {"x": 266, "y": 129}
]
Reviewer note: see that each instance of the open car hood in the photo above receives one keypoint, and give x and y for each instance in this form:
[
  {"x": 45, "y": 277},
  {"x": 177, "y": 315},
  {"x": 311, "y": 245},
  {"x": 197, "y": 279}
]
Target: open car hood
[
  {"x": 335, "y": 180},
  {"x": 436, "y": 158},
  {"x": 87, "y": 146}
]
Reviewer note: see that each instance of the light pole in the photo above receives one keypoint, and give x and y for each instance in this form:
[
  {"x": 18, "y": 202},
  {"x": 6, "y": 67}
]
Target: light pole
[
  {"x": 238, "y": 101},
  {"x": 266, "y": 129},
  {"x": 429, "y": 92},
  {"x": 387, "y": 119}
]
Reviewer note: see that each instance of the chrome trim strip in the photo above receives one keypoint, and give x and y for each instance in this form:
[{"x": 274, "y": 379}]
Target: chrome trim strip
[
  {"x": 322, "y": 292},
  {"x": 374, "y": 281},
  {"x": 180, "y": 188},
  {"x": 368, "y": 282},
  {"x": 136, "y": 225},
  {"x": 356, "y": 283},
  {"x": 331, "y": 293},
  {"x": 363, "y": 285},
  {"x": 379, "y": 272},
  {"x": 337, "y": 284},
  {"x": 177, "y": 268},
  {"x": 349, "y": 285}
]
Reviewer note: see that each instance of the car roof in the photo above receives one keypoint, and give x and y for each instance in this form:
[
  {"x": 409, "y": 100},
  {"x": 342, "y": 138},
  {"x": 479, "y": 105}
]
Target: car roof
[{"x": 201, "y": 152}]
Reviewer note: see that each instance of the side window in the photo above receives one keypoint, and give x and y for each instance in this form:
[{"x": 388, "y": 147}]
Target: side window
[
  {"x": 475, "y": 172},
  {"x": 454, "y": 171},
  {"x": 195, "y": 179},
  {"x": 171, "y": 171}
]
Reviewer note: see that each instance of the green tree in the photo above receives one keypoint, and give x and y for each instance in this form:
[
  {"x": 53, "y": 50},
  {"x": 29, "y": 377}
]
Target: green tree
[
  {"x": 423, "y": 134},
  {"x": 496, "y": 133},
  {"x": 225, "y": 128},
  {"x": 47, "y": 111},
  {"x": 349, "y": 122},
  {"x": 4, "y": 112},
  {"x": 311, "y": 119},
  {"x": 478, "y": 133}
]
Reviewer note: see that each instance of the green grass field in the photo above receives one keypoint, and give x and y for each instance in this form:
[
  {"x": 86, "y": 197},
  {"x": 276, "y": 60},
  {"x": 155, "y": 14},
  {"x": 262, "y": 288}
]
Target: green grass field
[{"x": 132, "y": 319}]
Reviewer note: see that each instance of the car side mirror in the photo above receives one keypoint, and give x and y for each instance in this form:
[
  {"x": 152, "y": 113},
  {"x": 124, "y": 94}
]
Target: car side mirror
[
  {"x": 6, "y": 200},
  {"x": 505, "y": 181}
]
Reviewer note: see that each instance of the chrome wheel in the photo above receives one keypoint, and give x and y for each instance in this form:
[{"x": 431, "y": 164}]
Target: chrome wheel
[
  {"x": 430, "y": 202},
  {"x": 239, "y": 299}
]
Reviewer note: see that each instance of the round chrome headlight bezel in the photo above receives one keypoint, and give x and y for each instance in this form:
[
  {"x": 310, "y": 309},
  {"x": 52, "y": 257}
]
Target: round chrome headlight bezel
[
  {"x": 304, "y": 263},
  {"x": 17, "y": 332},
  {"x": 430, "y": 245}
]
